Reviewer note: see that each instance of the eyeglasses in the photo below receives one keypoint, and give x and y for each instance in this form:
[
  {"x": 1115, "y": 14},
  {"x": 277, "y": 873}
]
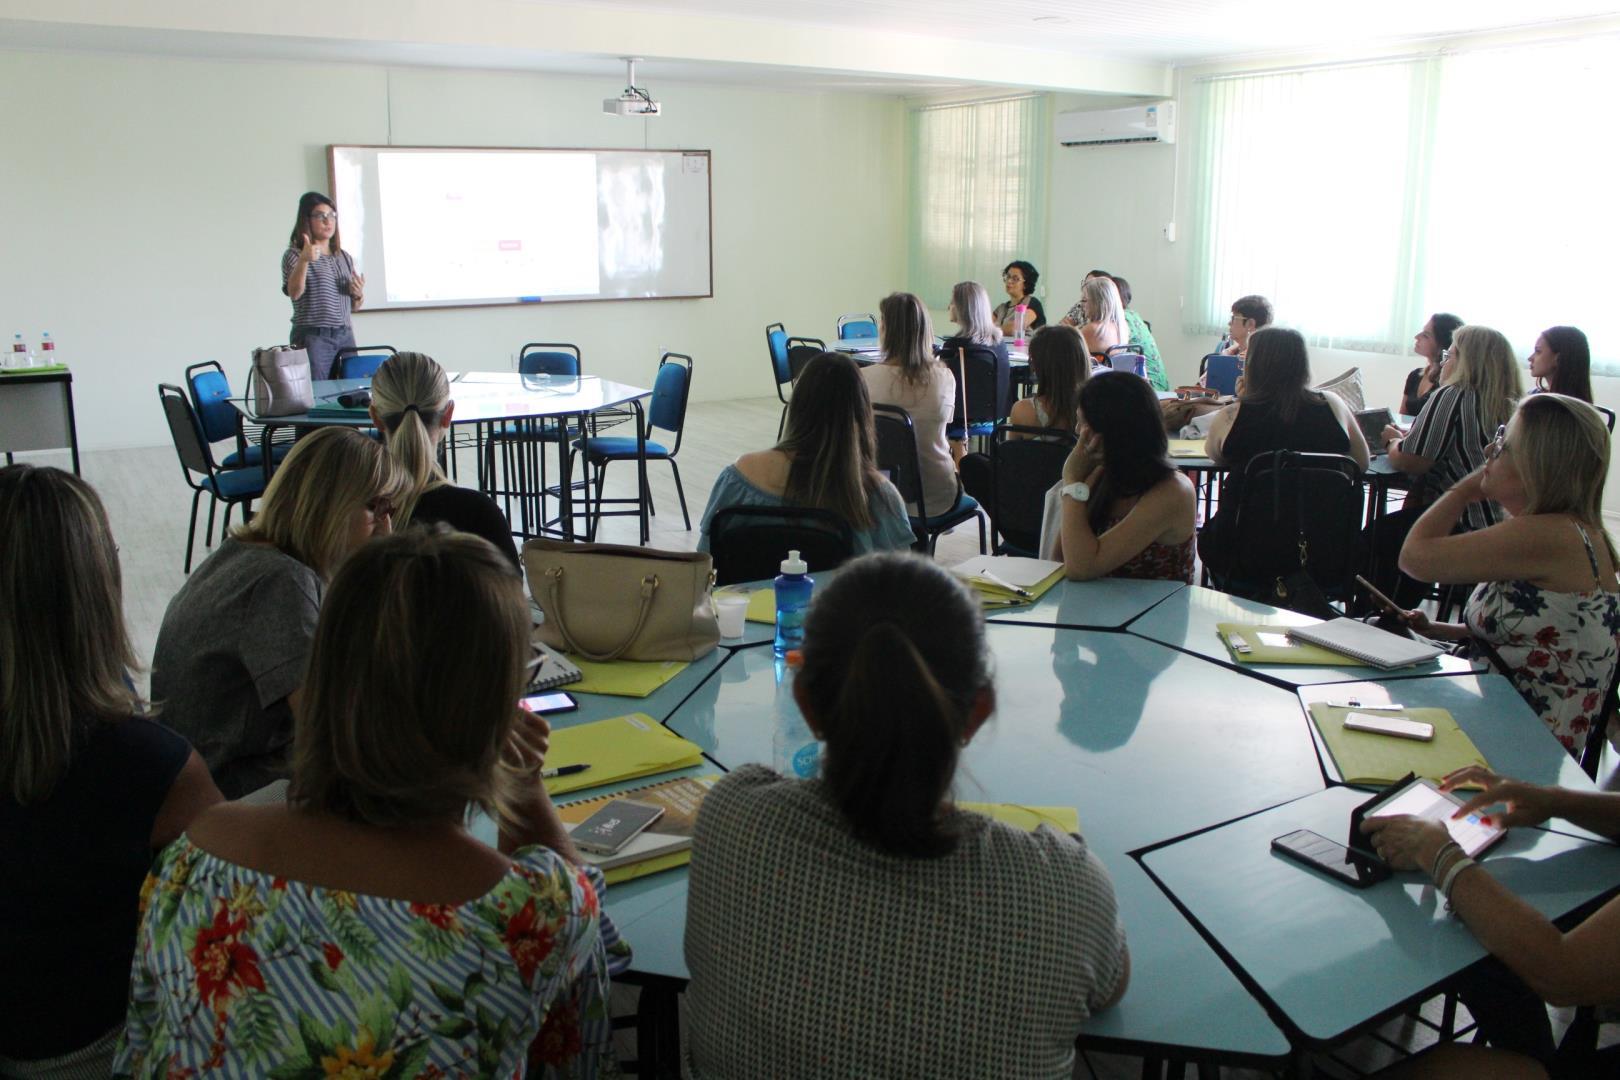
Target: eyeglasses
[
  {"x": 1498, "y": 444},
  {"x": 323, "y": 216},
  {"x": 380, "y": 508},
  {"x": 1012, "y": 277}
]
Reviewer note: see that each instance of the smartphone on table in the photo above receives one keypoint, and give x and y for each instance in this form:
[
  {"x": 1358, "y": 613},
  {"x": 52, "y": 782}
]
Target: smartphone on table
[
  {"x": 549, "y": 701},
  {"x": 1355, "y": 868}
]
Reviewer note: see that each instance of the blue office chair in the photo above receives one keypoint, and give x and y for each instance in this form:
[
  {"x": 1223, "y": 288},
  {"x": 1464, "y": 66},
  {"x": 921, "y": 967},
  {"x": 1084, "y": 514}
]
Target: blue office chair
[
  {"x": 219, "y": 420},
  {"x": 233, "y": 487},
  {"x": 857, "y": 326},
  {"x": 788, "y": 357},
  {"x": 897, "y": 456},
  {"x": 1221, "y": 373},
  {"x": 671, "y": 389},
  {"x": 360, "y": 362}
]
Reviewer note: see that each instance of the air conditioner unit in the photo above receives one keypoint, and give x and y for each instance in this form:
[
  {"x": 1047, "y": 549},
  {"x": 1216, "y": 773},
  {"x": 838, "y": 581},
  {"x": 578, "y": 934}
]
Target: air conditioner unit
[{"x": 1154, "y": 122}]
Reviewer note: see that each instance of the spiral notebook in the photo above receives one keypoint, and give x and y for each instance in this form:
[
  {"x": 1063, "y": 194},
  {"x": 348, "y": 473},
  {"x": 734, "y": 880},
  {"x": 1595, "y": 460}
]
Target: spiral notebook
[
  {"x": 1368, "y": 644},
  {"x": 551, "y": 668}
]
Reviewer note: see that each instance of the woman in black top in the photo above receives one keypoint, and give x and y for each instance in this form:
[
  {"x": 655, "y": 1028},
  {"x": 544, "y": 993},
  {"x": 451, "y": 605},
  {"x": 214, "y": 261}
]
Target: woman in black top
[
  {"x": 1275, "y": 410},
  {"x": 1019, "y": 278},
  {"x": 410, "y": 400},
  {"x": 89, "y": 789},
  {"x": 1430, "y": 343}
]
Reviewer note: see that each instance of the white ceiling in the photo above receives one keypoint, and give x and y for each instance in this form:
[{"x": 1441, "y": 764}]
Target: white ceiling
[{"x": 1166, "y": 31}]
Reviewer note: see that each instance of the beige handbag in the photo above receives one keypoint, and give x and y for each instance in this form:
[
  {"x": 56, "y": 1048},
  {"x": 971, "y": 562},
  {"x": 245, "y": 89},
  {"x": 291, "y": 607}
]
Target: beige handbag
[
  {"x": 617, "y": 602},
  {"x": 281, "y": 382}
]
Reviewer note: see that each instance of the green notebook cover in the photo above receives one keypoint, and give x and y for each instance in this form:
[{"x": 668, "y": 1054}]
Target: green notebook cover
[{"x": 1364, "y": 757}]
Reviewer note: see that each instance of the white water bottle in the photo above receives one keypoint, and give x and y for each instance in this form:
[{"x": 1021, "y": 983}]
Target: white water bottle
[
  {"x": 20, "y": 356},
  {"x": 47, "y": 350}
]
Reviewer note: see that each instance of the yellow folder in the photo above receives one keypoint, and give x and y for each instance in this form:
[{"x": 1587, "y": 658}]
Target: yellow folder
[
  {"x": 624, "y": 678},
  {"x": 1365, "y": 757},
  {"x": 1268, "y": 644},
  {"x": 1029, "y": 818},
  {"x": 1186, "y": 448},
  {"x": 621, "y": 748},
  {"x": 762, "y": 606}
]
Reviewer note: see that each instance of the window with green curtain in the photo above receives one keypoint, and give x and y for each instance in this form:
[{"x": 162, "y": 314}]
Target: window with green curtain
[
  {"x": 1361, "y": 198},
  {"x": 978, "y": 192}
]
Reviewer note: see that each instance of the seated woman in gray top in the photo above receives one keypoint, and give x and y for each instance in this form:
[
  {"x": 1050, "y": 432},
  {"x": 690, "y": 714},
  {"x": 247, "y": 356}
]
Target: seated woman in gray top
[
  {"x": 827, "y": 460},
  {"x": 230, "y": 653},
  {"x": 862, "y": 924},
  {"x": 410, "y": 401}
]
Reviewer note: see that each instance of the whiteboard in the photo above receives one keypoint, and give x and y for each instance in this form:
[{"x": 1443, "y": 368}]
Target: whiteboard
[{"x": 437, "y": 226}]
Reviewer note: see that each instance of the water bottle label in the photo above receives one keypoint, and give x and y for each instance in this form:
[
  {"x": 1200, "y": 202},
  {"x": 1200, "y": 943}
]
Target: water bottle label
[
  {"x": 48, "y": 346},
  {"x": 806, "y": 759}
]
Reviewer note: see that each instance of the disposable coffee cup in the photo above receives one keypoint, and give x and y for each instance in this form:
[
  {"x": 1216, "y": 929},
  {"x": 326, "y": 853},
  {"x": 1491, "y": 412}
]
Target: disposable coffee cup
[{"x": 732, "y": 611}]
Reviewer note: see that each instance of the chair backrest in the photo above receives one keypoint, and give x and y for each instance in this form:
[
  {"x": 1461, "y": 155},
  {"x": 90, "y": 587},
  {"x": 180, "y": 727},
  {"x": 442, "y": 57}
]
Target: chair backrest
[
  {"x": 748, "y": 543},
  {"x": 1290, "y": 498},
  {"x": 210, "y": 397},
  {"x": 859, "y": 325},
  {"x": 1608, "y": 416},
  {"x": 1022, "y": 471},
  {"x": 361, "y": 361},
  {"x": 776, "y": 340},
  {"x": 800, "y": 351},
  {"x": 1221, "y": 373},
  {"x": 183, "y": 429},
  {"x": 550, "y": 358},
  {"x": 989, "y": 384},
  {"x": 1126, "y": 358},
  {"x": 671, "y": 388},
  {"x": 897, "y": 454}
]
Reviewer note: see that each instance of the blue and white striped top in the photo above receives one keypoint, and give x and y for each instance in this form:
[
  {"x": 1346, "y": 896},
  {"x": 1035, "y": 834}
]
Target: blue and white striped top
[{"x": 325, "y": 301}]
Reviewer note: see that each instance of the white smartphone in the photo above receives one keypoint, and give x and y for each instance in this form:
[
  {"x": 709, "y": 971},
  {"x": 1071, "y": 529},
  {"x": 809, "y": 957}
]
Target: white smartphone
[{"x": 1398, "y": 726}]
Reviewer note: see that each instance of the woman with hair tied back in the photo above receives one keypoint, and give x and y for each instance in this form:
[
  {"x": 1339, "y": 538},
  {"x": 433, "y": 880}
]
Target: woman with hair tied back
[
  {"x": 231, "y": 650},
  {"x": 359, "y": 929},
  {"x": 1547, "y": 611},
  {"x": 1125, "y": 509},
  {"x": 411, "y": 404},
  {"x": 1276, "y": 410},
  {"x": 90, "y": 788},
  {"x": 861, "y": 924},
  {"x": 1562, "y": 363},
  {"x": 911, "y": 378},
  {"x": 826, "y": 460}
]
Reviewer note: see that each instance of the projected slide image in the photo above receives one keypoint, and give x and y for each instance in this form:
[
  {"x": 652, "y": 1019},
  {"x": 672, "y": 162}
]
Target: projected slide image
[{"x": 470, "y": 226}]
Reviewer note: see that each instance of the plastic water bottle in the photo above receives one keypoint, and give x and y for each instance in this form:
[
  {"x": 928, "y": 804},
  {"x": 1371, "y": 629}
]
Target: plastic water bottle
[
  {"x": 47, "y": 350},
  {"x": 20, "y": 356},
  {"x": 1140, "y": 366},
  {"x": 1022, "y": 309},
  {"x": 792, "y": 600},
  {"x": 795, "y": 752}
]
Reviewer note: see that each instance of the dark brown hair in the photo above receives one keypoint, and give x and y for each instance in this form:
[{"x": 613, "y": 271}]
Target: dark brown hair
[
  {"x": 830, "y": 442},
  {"x": 308, "y": 203},
  {"x": 1573, "y": 376},
  {"x": 894, "y": 662},
  {"x": 1254, "y": 307},
  {"x": 1061, "y": 365},
  {"x": 1277, "y": 372}
]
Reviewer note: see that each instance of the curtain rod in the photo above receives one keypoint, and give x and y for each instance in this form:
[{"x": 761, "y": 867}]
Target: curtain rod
[{"x": 975, "y": 101}]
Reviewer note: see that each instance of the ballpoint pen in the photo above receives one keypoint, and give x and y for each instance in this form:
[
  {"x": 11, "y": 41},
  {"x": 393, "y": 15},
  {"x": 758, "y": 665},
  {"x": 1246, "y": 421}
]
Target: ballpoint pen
[
  {"x": 563, "y": 770},
  {"x": 1009, "y": 586}
]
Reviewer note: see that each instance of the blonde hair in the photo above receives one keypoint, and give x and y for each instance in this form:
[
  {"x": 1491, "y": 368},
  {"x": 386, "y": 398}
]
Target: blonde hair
[
  {"x": 308, "y": 504},
  {"x": 908, "y": 336},
  {"x": 409, "y": 392},
  {"x": 1483, "y": 360},
  {"x": 64, "y": 648},
  {"x": 1560, "y": 448},
  {"x": 973, "y": 313},
  {"x": 392, "y": 731},
  {"x": 1105, "y": 307}
]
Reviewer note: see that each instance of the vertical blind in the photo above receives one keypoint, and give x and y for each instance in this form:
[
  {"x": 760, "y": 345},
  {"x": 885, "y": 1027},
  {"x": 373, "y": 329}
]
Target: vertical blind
[
  {"x": 978, "y": 192},
  {"x": 1362, "y": 198}
]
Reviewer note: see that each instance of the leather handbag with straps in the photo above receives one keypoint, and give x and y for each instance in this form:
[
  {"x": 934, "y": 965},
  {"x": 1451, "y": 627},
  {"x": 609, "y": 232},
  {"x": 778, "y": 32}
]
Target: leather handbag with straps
[
  {"x": 618, "y": 602},
  {"x": 280, "y": 380}
]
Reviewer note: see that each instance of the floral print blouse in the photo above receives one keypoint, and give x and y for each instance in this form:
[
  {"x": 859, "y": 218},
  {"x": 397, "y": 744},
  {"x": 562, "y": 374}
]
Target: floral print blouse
[
  {"x": 1561, "y": 647},
  {"x": 238, "y": 973}
]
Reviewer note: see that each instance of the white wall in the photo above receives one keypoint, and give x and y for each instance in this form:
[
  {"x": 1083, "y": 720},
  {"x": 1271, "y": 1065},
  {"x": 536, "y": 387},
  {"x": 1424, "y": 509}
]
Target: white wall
[
  {"x": 148, "y": 201},
  {"x": 1109, "y": 206}
]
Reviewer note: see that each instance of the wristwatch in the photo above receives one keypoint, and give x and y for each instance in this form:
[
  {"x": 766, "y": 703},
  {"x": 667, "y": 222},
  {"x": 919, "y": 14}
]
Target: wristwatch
[{"x": 1079, "y": 491}]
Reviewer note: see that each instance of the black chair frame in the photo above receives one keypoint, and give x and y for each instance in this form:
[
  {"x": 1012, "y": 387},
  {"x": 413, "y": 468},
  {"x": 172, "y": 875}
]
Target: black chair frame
[
  {"x": 195, "y": 457},
  {"x": 749, "y": 542},
  {"x": 897, "y": 454},
  {"x": 1022, "y": 470}
]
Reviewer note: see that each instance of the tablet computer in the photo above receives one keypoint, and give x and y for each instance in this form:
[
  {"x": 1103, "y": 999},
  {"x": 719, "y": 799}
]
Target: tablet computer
[
  {"x": 1421, "y": 798},
  {"x": 1372, "y": 423}
]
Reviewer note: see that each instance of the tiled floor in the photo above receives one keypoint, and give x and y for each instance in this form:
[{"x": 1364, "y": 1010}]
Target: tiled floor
[{"x": 147, "y": 503}]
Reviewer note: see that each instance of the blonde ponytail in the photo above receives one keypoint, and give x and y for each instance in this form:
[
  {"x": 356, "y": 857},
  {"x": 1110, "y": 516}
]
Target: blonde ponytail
[{"x": 410, "y": 392}]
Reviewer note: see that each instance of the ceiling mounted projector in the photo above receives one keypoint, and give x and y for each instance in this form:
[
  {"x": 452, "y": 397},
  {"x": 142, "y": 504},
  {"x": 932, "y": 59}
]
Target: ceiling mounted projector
[{"x": 635, "y": 101}]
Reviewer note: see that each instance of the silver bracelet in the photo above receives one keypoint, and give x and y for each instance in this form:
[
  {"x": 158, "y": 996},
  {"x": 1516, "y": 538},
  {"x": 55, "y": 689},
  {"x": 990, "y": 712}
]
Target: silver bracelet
[
  {"x": 1440, "y": 857},
  {"x": 1451, "y": 877}
]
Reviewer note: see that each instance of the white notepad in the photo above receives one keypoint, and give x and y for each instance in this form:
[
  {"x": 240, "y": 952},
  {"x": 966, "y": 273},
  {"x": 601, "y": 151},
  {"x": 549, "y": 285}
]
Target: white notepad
[{"x": 1367, "y": 643}]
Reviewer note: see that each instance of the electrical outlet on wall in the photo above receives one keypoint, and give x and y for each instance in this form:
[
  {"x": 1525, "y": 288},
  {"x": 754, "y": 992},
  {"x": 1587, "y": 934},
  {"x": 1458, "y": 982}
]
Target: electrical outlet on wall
[{"x": 1170, "y": 231}]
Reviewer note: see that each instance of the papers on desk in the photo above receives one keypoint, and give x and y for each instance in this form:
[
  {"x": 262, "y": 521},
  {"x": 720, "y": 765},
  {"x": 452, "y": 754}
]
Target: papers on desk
[
  {"x": 1367, "y": 644},
  {"x": 1028, "y": 818},
  {"x": 1364, "y": 757},
  {"x": 1264, "y": 643},
  {"x": 1186, "y": 448},
  {"x": 624, "y": 678},
  {"x": 1006, "y": 580},
  {"x": 762, "y": 606},
  {"x": 622, "y": 748},
  {"x": 666, "y": 844}
]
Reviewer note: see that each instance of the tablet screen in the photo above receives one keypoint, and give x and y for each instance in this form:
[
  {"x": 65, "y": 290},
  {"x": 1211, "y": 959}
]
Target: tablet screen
[{"x": 1422, "y": 799}]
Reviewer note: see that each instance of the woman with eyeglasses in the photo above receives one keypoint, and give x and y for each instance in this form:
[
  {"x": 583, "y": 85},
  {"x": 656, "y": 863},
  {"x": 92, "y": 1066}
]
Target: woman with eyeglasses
[
  {"x": 1019, "y": 280},
  {"x": 1548, "y": 607},
  {"x": 230, "y": 655},
  {"x": 324, "y": 286}
]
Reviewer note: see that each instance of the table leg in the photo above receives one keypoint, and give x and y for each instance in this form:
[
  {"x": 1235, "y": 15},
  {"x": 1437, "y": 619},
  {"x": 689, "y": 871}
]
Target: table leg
[{"x": 641, "y": 470}]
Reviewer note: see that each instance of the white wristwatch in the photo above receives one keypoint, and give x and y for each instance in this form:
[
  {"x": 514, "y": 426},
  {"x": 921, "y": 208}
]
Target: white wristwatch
[{"x": 1079, "y": 491}]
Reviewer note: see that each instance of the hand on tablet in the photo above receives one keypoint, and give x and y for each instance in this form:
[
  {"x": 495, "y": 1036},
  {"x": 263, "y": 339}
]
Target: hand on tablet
[
  {"x": 1526, "y": 804},
  {"x": 1406, "y": 842}
]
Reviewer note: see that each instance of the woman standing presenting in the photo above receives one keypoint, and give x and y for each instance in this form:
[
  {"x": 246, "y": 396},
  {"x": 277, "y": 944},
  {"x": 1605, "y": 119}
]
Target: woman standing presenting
[{"x": 320, "y": 278}]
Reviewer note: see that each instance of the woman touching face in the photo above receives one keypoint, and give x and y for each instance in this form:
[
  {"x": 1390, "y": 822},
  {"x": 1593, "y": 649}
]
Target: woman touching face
[{"x": 1500, "y": 480}]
